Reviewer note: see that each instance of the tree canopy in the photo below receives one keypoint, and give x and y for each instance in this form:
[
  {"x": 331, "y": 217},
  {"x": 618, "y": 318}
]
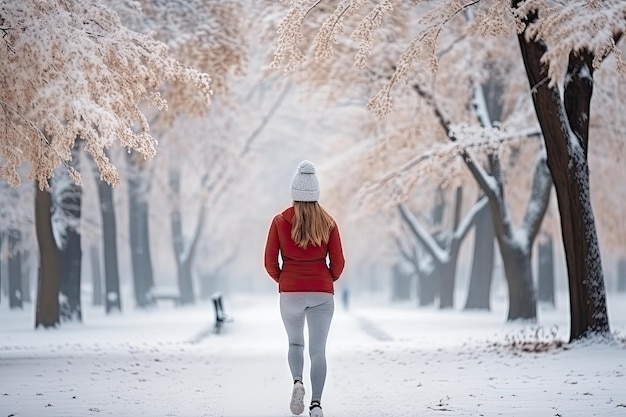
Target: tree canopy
[{"x": 71, "y": 70}]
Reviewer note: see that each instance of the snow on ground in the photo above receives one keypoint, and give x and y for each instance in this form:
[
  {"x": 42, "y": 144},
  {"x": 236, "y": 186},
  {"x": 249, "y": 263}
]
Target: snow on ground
[{"x": 383, "y": 360}]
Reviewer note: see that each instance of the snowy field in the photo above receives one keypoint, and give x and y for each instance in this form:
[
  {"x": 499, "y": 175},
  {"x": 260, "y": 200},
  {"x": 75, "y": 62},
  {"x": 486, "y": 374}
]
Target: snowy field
[{"x": 384, "y": 360}]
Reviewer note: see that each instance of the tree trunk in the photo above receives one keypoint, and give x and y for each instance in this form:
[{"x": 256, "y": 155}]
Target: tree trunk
[
  {"x": 2, "y": 277},
  {"x": 426, "y": 288},
  {"x": 445, "y": 252},
  {"x": 501, "y": 220},
  {"x": 566, "y": 136},
  {"x": 70, "y": 251},
  {"x": 96, "y": 275},
  {"x": 479, "y": 293},
  {"x": 47, "y": 311},
  {"x": 185, "y": 281},
  {"x": 26, "y": 276},
  {"x": 138, "y": 192},
  {"x": 545, "y": 275},
  {"x": 15, "y": 268},
  {"x": 184, "y": 254},
  {"x": 400, "y": 284},
  {"x": 447, "y": 270},
  {"x": 518, "y": 271},
  {"x": 112, "y": 297},
  {"x": 447, "y": 273},
  {"x": 621, "y": 275}
]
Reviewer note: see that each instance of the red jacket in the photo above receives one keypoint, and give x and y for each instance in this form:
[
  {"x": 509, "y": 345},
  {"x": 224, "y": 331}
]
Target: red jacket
[{"x": 302, "y": 269}]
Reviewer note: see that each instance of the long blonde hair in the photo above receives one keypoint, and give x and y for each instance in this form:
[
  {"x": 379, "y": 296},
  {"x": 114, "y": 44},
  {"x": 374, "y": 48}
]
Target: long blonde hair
[{"x": 311, "y": 224}]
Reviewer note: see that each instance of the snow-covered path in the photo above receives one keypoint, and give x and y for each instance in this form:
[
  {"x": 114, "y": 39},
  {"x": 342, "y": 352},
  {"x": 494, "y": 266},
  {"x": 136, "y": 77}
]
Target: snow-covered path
[{"x": 383, "y": 361}]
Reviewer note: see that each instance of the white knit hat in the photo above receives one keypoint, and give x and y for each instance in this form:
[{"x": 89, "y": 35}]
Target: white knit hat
[{"x": 304, "y": 184}]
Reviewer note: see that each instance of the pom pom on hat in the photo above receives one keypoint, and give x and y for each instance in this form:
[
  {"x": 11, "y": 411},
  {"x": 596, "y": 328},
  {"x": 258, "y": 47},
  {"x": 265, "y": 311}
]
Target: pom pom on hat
[{"x": 304, "y": 184}]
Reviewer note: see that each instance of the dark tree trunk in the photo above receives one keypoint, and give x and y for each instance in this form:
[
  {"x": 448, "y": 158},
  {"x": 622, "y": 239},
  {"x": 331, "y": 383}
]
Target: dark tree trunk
[
  {"x": 71, "y": 261},
  {"x": 138, "y": 192},
  {"x": 70, "y": 251},
  {"x": 112, "y": 294},
  {"x": 47, "y": 311},
  {"x": 15, "y": 268},
  {"x": 545, "y": 275},
  {"x": 96, "y": 275},
  {"x": 518, "y": 271},
  {"x": 570, "y": 173},
  {"x": 621, "y": 275},
  {"x": 479, "y": 293}
]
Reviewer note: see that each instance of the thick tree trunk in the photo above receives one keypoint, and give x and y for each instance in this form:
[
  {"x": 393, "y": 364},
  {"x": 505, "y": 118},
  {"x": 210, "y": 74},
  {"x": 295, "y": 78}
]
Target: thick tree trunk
[
  {"x": 113, "y": 301},
  {"x": 138, "y": 192},
  {"x": 566, "y": 139},
  {"x": 518, "y": 271},
  {"x": 545, "y": 273},
  {"x": 15, "y": 268},
  {"x": 96, "y": 275},
  {"x": 479, "y": 293},
  {"x": 47, "y": 311},
  {"x": 70, "y": 251}
]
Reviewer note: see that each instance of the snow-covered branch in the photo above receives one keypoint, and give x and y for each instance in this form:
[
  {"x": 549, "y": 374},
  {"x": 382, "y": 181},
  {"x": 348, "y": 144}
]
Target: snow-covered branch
[
  {"x": 422, "y": 234},
  {"x": 84, "y": 75}
]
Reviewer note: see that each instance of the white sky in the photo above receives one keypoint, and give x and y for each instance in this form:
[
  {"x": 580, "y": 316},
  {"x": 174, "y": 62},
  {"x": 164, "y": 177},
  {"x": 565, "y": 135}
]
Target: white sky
[{"x": 383, "y": 360}]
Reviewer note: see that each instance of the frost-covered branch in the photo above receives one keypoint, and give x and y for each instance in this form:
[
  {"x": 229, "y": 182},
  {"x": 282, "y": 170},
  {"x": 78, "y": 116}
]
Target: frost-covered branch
[
  {"x": 422, "y": 234},
  {"x": 257, "y": 131},
  {"x": 84, "y": 75}
]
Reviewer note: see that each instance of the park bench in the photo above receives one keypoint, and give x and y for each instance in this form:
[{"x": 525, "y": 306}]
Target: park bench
[
  {"x": 220, "y": 316},
  {"x": 167, "y": 295}
]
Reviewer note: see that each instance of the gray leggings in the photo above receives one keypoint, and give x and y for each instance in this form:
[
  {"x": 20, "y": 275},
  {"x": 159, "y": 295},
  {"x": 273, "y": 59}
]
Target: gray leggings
[{"x": 317, "y": 308}]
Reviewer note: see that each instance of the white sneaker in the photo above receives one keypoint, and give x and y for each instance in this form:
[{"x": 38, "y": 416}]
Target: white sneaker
[
  {"x": 316, "y": 410},
  {"x": 297, "y": 398}
]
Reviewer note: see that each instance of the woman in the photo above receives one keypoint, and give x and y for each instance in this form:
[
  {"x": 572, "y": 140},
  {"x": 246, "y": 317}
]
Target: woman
[{"x": 305, "y": 236}]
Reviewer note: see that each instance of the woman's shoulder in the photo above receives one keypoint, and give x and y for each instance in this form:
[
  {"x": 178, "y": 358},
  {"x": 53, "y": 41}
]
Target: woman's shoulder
[{"x": 285, "y": 215}]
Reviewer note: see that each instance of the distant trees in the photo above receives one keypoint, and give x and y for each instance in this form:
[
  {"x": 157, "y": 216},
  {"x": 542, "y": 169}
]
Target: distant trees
[
  {"x": 208, "y": 35},
  {"x": 553, "y": 37},
  {"x": 73, "y": 73}
]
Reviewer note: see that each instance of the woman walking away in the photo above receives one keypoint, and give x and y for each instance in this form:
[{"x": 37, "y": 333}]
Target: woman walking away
[{"x": 307, "y": 239}]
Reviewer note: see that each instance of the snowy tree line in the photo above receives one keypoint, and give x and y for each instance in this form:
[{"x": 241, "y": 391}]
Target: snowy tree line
[{"x": 449, "y": 81}]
